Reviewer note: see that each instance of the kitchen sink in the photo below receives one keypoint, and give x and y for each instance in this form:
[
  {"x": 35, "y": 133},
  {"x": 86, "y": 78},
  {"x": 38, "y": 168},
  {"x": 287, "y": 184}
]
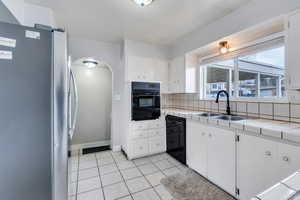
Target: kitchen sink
[
  {"x": 231, "y": 118},
  {"x": 208, "y": 114}
]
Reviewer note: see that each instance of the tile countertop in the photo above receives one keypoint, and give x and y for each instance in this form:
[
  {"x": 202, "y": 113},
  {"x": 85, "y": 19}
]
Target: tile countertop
[
  {"x": 288, "y": 189},
  {"x": 270, "y": 128}
]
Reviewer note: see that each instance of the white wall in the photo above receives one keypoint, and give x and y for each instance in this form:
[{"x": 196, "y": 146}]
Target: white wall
[
  {"x": 29, "y": 14},
  {"x": 109, "y": 53},
  {"x": 38, "y": 15},
  {"x": 16, "y": 7},
  {"x": 95, "y": 99},
  {"x": 253, "y": 13},
  {"x": 6, "y": 15}
]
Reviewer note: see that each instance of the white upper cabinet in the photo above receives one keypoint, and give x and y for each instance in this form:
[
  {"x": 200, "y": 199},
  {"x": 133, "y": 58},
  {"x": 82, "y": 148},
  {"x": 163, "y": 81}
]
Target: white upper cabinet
[
  {"x": 177, "y": 75},
  {"x": 140, "y": 68},
  {"x": 183, "y": 74},
  {"x": 148, "y": 70},
  {"x": 161, "y": 68},
  {"x": 292, "y": 50}
]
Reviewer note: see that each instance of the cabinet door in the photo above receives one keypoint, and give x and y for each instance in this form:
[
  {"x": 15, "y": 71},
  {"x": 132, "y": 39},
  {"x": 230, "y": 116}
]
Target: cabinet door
[
  {"x": 292, "y": 51},
  {"x": 177, "y": 75},
  {"x": 288, "y": 158},
  {"x": 140, "y": 68},
  {"x": 221, "y": 160},
  {"x": 148, "y": 69},
  {"x": 157, "y": 144},
  {"x": 161, "y": 74},
  {"x": 134, "y": 68},
  {"x": 140, "y": 147},
  {"x": 256, "y": 165},
  {"x": 197, "y": 147}
]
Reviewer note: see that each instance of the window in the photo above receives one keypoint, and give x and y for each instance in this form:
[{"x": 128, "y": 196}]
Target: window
[
  {"x": 260, "y": 75},
  {"x": 218, "y": 77}
]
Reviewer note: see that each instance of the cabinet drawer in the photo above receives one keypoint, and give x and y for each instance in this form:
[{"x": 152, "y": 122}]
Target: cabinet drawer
[
  {"x": 157, "y": 144},
  {"x": 156, "y": 124},
  {"x": 140, "y": 147},
  {"x": 139, "y": 134},
  {"x": 139, "y": 126},
  {"x": 156, "y": 133}
]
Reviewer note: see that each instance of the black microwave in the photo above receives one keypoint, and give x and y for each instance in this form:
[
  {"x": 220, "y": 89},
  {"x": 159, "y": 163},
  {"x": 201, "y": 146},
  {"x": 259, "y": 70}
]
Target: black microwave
[{"x": 145, "y": 103}]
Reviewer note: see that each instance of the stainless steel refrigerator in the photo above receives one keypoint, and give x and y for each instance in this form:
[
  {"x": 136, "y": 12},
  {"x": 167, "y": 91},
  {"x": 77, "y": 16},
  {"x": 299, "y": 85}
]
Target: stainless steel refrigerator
[{"x": 35, "y": 125}]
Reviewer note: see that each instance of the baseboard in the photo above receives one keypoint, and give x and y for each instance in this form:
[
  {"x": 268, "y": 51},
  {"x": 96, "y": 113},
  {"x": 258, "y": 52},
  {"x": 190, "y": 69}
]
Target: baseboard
[
  {"x": 77, "y": 148},
  {"x": 116, "y": 148}
]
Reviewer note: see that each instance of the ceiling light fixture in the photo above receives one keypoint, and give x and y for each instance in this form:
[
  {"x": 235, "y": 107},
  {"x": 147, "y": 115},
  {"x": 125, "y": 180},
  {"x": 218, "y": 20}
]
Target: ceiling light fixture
[
  {"x": 224, "y": 47},
  {"x": 90, "y": 63},
  {"x": 143, "y": 3}
]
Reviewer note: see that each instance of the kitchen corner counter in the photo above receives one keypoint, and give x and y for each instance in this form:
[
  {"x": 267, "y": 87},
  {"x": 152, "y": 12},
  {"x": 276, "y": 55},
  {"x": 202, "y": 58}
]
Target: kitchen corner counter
[{"x": 285, "y": 131}]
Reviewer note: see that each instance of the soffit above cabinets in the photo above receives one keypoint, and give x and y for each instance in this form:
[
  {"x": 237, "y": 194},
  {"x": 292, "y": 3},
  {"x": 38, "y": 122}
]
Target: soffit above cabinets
[
  {"x": 249, "y": 35},
  {"x": 162, "y": 22}
]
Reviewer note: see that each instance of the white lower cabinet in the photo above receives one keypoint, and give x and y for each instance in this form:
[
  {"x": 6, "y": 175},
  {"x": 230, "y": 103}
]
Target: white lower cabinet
[
  {"x": 221, "y": 165},
  {"x": 256, "y": 165},
  {"x": 250, "y": 164},
  {"x": 288, "y": 160},
  {"x": 157, "y": 145},
  {"x": 140, "y": 147},
  {"x": 196, "y": 137},
  {"x": 146, "y": 138},
  {"x": 211, "y": 152}
]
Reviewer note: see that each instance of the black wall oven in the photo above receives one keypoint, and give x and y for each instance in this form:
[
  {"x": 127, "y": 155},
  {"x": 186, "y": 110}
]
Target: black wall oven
[{"x": 145, "y": 103}]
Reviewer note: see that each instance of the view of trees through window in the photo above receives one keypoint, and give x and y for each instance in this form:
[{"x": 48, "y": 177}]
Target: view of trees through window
[{"x": 259, "y": 74}]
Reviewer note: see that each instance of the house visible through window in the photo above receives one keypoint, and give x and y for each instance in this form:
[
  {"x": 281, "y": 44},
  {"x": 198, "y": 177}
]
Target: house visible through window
[{"x": 260, "y": 74}]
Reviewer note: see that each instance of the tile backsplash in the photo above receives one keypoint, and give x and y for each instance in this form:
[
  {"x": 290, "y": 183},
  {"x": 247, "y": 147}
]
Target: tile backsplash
[{"x": 289, "y": 112}]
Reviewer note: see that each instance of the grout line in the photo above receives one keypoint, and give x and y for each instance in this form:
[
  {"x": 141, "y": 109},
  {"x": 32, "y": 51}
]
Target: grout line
[
  {"x": 122, "y": 179},
  {"x": 151, "y": 186},
  {"x": 100, "y": 178}
]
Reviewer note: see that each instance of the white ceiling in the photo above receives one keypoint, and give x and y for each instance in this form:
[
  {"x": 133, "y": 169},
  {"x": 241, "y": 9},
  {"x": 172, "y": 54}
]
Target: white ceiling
[{"x": 163, "y": 22}]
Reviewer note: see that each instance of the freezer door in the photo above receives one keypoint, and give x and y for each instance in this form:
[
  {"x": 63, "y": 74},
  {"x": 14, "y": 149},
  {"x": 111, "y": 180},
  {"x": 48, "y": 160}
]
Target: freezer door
[
  {"x": 25, "y": 113},
  {"x": 60, "y": 76}
]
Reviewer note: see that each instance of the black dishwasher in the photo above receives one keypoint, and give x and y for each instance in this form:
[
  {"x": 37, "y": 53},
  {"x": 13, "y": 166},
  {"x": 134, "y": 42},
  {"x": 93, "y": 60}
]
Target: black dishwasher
[{"x": 176, "y": 137}]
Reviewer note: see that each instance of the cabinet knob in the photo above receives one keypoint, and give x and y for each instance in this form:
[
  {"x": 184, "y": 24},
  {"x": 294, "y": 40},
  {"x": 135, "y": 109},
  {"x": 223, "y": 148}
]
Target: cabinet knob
[
  {"x": 285, "y": 158},
  {"x": 268, "y": 153},
  {"x": 210, "y": 135},
  {"x": 141, "y": 148},
  {"x": 203, "y": 134}
]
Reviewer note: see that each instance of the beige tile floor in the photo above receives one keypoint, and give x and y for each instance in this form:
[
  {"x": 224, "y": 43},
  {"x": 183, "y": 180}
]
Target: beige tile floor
[{"x": 109, "y": 175}]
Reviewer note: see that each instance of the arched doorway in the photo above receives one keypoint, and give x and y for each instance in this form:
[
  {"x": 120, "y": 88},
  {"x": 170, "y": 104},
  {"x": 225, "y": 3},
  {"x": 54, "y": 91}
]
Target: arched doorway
[{"x": 93, "y": 127}]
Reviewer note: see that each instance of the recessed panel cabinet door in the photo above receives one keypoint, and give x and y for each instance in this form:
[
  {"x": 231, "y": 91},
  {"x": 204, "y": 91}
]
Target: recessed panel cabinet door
[
  {"x": 197, "y": 147},
  {"x": 288, "y": 160},
  {"x": 161, "y": 71},
  {"x": 256, "y": 165},
  {"x": 140, "y": 68},
  {"x": 221, "y": 162}
]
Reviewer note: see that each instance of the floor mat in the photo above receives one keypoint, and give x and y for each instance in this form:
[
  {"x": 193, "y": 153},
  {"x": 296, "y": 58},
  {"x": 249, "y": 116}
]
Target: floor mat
[{"x": 192, "y": 186}]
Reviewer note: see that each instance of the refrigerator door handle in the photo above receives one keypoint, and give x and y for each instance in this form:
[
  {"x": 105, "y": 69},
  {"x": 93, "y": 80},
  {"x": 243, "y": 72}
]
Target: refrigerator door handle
[{"x": 73, "y": 120}]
